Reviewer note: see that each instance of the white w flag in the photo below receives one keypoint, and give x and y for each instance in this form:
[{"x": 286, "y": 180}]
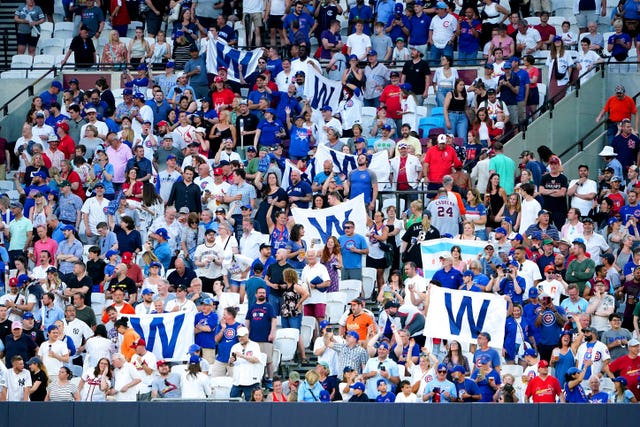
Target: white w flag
[
  {"x": 345, "y": 163},
  {"x": 321, "y": 91},
  {"x": 221, "y": 54},
  {"x": 462, "y": 315},
  {"x": 168, "y": 335},
  {"x": 289, "y": 167},
  {"x": 322, "y": 223}
]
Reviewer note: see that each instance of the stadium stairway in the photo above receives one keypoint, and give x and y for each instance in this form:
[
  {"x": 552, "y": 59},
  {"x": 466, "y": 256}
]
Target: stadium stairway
[{"x": 8, "y": 30}]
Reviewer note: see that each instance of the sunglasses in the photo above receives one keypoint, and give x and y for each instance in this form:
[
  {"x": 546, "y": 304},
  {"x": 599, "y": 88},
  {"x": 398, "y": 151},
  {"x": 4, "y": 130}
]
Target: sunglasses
[
  {"x": 348, "y": 227},
  {"x": 442, "y": 372}
]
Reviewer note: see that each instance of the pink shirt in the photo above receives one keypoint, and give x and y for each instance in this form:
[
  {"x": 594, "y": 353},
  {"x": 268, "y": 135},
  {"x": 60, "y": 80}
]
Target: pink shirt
[
  {"x": 118, "y": 158},
  {"x": 51, "y": 245}
]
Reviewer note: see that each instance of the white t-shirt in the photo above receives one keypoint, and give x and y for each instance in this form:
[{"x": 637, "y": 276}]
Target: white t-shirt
[
  {"x": 530, "y": 272},
  {"x": 401, "y": 398},
  {"x": 96, "y": 212},
  {"x": 443, "y": 29},
  {"x": 528, "y": 213},
  {"x": 102, "y": 127},
  {"x": 77, "y": 330},
  {"x": 598, "y": 353},
  {"x": 16, "y": 384},
  {"x": 18, "y": 299},
  {"x": 308, "y": 274},
  {"x": 329, "y": 355},
  {"x": 138, "y": 362},
  {"x": 359, "y": 44},
  {"x": 589, "y": 186},
  {"x": 552, "y": 287},
  {"x": 195, "y": 388},
  {"x": 53, "y": 365},
  {"x": 186, "y": 305},
  {"x": 530, "y": 39},
  {"x": 244, "y": 372},
  {"x": 596, "y": 245},
  {"x": 122, "y": 377}
]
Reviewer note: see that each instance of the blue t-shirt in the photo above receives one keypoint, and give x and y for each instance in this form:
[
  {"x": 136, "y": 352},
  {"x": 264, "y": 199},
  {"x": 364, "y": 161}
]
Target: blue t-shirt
[
  {"x": 467, "y": 43},
  {"x": 549, "y": 332},
  {"x": 98, "y": 171},
  {"x": 259, "y": 317},
  {"x": 469, "y": 386},
  {"x": 617, "y": 49},
  {"x": 229, "y": 338},
  {"x": 206, "y": 339},
  {"x": 364, "y": 13},
  {"x": 449, "y": 280},
  {"x": 387, "y": 398},
  {"x": 524, "y": 82},
  {"x": 419, "y": 31},
  {"x": 352, "y": 259},
  {"x": 361, "y": 183},
  {"x": 507, "y": 287},
  {"x": 268, "y": 132},
  {"x": 396, "y": 30},
  {"x": 255, "y": 96},
  {"x": 299, "y": 142},
  {"x": 306, "y": 22},
  {"x": 163, "y": 252},
  {"x": 274, "y": 66},
  {"x": 445, "y": 385},
  {"x": 577, "y": 395},
  {"x": 486, "y": 391},
  {"x": 301, "y": 189},
  {"x": 491, "y": 352}
]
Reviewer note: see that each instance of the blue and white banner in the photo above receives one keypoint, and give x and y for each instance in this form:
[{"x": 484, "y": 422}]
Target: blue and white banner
[
  {"x": 221, "y": 54},
  {"x": 462, "y": 315},
  {"x": 432, "y": 250},
  {"x": 168, "y": 335},
  {"x": 345, "y": 163},
  {"x": 289, "y": 167},
  {"x": 321, "y": 91},
  {"x": 322, "y": 223}
]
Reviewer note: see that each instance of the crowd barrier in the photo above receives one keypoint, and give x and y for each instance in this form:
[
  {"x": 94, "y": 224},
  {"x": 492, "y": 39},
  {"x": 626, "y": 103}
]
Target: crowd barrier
[{"x": 172, "y": 414}]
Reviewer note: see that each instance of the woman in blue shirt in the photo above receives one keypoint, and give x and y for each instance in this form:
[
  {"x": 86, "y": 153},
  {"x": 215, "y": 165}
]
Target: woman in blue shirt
[
  {"x": 574, "y": 393},
  {"x": 269, "y": 129}
]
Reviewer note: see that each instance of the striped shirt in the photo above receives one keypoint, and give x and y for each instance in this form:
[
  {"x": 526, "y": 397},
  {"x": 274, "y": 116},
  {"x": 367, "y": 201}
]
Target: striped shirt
[
  {"x": 62, "y": 393},
  {"x": 355, "y": 357},
  {"x": 248, "y": 193}
]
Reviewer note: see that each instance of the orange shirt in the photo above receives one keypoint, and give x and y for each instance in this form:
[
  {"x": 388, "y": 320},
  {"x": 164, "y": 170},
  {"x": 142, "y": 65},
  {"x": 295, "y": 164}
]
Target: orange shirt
[
  {"x": 125, "y": 309},
  {"x": 619, "y": 109},
  {"x": 360, "y": 324},
  {"x": 130, "y": 336}
]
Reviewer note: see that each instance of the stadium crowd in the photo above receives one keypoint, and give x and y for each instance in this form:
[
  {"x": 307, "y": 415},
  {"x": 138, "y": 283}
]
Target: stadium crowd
[{"x": 175, "y": 203}]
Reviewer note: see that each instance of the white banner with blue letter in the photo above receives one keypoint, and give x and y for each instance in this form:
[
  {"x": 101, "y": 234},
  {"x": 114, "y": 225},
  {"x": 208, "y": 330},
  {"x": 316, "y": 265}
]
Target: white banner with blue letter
[
  {"x": 168, "y": 335},
  {"x": 322, "y": 223},
  {"x": 220, "y": 54},
  {"x": 321, "y": 91},
  {"x": 462, "y": 315},
  {"x": 432, "y": 250},
  {"x": 345, "y": 163}
]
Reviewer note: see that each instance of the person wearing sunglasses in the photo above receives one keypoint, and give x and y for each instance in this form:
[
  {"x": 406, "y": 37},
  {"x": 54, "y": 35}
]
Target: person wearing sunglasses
[{"x": 440, "y": 389}]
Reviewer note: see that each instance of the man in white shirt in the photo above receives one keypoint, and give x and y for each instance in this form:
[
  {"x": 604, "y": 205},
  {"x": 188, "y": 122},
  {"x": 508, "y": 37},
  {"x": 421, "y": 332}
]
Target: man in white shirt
[
  {"x": 324, "y": 124},
  {"x": 93, "y": 213},
  {"x": 358, "y": 43},
  {"x": 181, "y": 303},
  {"x": 92, "y": 119},
  {"x": 573, "y": 228},
  {"x": 316, "y": 278},
  {"x": 528, "y": 40},
  {"x": 145, "y": 363},
  {"x": 442, "y": 31},
  {"x": 77, "y": 330},
  {"x": 43, "y": 132},
  {"x": 595, "y": 351},
  {"x": 251, "y": 239},
  {"x": 582, "y": 191},
  {"x": 528, "y": 270},
  {"x": 245, "y": 359},
  {"x": 144, "y": 115},
  {"x": 415, "y": 284},
  {"x": 126, "y": 378},
  {"x": 553, "y": 285},
  {"x": 53, "y": 353},
  {"x": 17, "y": 382}
]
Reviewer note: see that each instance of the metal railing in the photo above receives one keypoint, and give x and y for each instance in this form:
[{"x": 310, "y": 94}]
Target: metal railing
[
  {"x": 4, "y": 109},
  {"x": 580, "y": 143}
]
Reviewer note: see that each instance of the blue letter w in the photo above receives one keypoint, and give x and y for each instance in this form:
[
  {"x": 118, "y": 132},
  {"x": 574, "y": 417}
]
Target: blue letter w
[
  {"x": 466, "y": 305},
  {"x": 157, "y": 326},
  {"x": 331, "y": 222}
]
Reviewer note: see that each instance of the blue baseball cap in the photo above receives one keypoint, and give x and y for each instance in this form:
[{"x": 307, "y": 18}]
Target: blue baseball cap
[
  {"x": 170, "y": 64},
  {"x": 442, "y": 366},
  {"x": 468, "y": 273},
  {"x": 354, "y": 334},
  {"x": 372, "y": 53},
  {"x": 162, "y": 232},
  {"x": 457, "y": 368},
  {"x": 28, "y": 315},
  {"x": 193, "y": 348},
  {"x": 380, "y": 381},
  {"x": 155, "y": 264},
  {"x": 573, "y": 370},
  {"x": 111, "y": 253},
  {"x": 405, "y": 86},
  {"x": 326, "y": 108},
  {"x": 127, "y": 91},
  {"x": 51, "y": 328},
  {"x": 441, "y": 5},
  {"x": 531, "y": 352},
  {"x": 501, "y": 230},
  {"x": 56, "y": 84},
  {"x": 533, "y": 293},
  {"x": 147, "y": 291},
  {"x": 357, "y": 386},
  {"x": 194, "y": 360},
  {"x": 518, "y": 237},
  {"x": 323, "y": 324},
  {"x": 68, "y": 228},
  {"x": 536, "y": 235},
  {"x": 484, "y": 359},
  {"x": 22, "y": 279}
]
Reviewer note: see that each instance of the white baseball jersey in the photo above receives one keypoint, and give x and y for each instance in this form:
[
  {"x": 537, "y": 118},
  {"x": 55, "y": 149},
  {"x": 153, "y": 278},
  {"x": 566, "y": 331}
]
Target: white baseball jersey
[{"x": 445, "y": 216}]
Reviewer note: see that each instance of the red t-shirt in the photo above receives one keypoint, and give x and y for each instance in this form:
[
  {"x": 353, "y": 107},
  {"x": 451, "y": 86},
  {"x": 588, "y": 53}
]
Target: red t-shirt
[
  {"x": 391, "y": 96},
  {"x": 630, "y": 369},
  {"x": 225, "y": 96},
  {"x": 440, "y": 162},
  {"x": 67, "y": 146},
  {"x": 74, "y": 177},
  {"x": 543, "y": 391},
  {"x": 619, "y": 109},
  {"x": 402, "y": 174}
]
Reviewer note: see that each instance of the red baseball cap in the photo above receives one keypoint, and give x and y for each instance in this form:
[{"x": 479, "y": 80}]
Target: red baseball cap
[
  {"x": 13, "y": 282},
  {"x": 127, "y": 257},
  {"x": 63, "y": 125},
  {"x": 543, "y": 364},
  {"x": 218, "y": 171}
]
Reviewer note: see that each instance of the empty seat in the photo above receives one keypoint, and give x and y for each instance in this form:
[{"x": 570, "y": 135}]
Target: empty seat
[
  {"x": 308, "y": 328},
  {"x": 515, "y": 370},
  {"x": 46, "y": 30},
  {"x": 351, "y": 288},
  {"x": 368, "y": 281},
  {"x": 21, "y": 61},
  {"x": 44, "y": 61},
  {"x": 64, "y": 30},
  {"x": 13, "y": 74},
  {"x": 51, "y": 46},
  {"x": 335, "y": 305},
  {"x": 36, "y": 74},
  {"x": 287, "y": 342},
  {"x": 221, "y": 387},
  {"x": 70, "y": 62}
]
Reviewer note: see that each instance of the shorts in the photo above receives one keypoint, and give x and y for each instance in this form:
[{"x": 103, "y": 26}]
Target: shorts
[
  {"x": 275, "y": 21},
  {"x": 27, "y": 40},
  {"x": 534, "y": 96},
  {"x": 352, "y": 274},
  {"x": 291, "y": 322},
  {"x": 377, "y": 263},
  {"x": 315, "y": 310},
  {"x": 255, "y": 18},
  {"x": 267, "y": 348},
  {"x": 237, "y": 283},
  {"x": 220, "y": 369},
  {"x": 583, "y": 18},
  {"x": 154, "y": 22},
  {"x": 209, "y": 354}
]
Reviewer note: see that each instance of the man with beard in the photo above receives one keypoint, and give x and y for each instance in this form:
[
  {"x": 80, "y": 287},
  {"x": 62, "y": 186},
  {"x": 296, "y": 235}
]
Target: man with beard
[
  {"x": 261, "y": 322},
  {"x": 363, "y": 181}
]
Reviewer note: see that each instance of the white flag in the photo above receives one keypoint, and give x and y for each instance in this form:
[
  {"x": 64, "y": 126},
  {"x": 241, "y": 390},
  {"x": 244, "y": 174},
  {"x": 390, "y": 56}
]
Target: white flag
[
  {"x": 221, "y": 54},
  {"x": 167, "y": 335},
  {"x": 345, "y": 163},
  {"x": 321, "y": 91},
  {"x": 462, "y": 315}
]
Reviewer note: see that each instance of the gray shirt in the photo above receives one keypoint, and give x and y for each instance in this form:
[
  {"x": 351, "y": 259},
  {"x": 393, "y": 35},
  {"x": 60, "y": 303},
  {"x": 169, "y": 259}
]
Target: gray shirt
[
  {"x": 168, "y": 387},
  {"x": 33, "y": 15},
  {"x": 610, "y": 336}
]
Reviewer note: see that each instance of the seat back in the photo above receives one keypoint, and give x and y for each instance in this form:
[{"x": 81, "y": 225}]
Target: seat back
[
  {"x": 351, "y": 288},
  {"x": 287, "y": 342}
]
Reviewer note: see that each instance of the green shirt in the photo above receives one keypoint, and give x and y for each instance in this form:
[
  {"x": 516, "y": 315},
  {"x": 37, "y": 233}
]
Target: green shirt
[
  {"x": 18, "y": 229},
  {"x": 506, "y": 168}
]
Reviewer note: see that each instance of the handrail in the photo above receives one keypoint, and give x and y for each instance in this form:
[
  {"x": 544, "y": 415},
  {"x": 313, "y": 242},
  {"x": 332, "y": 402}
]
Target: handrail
[
  {"x": 4, "y": 109},
  {"x": 5, "y": 45},
  {"x": 581, "y": 141}
]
